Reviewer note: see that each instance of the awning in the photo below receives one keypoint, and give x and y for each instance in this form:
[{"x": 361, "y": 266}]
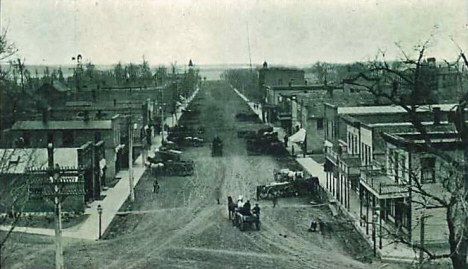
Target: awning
[{"x": 299, "y": 136}]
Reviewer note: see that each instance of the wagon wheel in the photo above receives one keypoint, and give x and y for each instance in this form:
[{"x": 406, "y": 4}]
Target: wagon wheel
[
  {"x": 242, "y": 225},
  {"x": 272, "y": 193}
]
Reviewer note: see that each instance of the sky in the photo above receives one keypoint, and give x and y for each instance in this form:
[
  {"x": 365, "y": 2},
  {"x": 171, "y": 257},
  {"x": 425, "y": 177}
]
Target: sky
[{"x": 281, "y": 32}]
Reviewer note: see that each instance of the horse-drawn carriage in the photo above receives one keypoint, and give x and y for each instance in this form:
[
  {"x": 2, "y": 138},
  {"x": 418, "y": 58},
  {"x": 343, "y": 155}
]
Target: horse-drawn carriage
[
  {"x": 217, "y": 147},
  {"x": 242, "y": 217},
  {"x": 169, "y": 163}
]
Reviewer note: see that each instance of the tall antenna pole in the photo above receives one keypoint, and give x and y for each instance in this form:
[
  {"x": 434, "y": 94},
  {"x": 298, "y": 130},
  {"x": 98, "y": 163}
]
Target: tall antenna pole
[
  {"x": 130, "y": 151},
  {"x": 248, "y": 41}
]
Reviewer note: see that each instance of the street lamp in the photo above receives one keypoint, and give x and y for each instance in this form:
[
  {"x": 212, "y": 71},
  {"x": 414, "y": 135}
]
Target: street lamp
[{"x": 99, "y": 210}]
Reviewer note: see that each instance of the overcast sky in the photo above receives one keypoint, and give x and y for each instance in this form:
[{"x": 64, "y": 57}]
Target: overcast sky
[{"x": 214, "y": 32}]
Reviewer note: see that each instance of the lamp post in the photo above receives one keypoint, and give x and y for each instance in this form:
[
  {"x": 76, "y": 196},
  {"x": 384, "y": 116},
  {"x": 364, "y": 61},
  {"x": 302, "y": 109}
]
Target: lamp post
[{"x": 99, "y": 210}]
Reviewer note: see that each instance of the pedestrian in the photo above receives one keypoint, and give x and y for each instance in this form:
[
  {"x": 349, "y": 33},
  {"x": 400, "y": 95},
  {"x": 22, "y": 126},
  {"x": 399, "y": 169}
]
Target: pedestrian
[
  {"x": 275, "y": 201},
  {"x": 322, "y": 226},
  {"x": 217, "y": 194},
  {"x": 285, "y": 141},
  {"x": 256, "y": 210},
  {"x": 155, "y": 186},
  {"x": 313, "y": 226},
  {"x": 292, "y": 151}
]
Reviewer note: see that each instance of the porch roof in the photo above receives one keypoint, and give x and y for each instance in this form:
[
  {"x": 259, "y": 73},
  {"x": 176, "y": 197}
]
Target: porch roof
[{"x": 383, "y": 187}]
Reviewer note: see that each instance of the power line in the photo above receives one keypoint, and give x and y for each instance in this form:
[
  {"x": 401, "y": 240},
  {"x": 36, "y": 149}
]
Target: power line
[{"x": 248, "y": 42}]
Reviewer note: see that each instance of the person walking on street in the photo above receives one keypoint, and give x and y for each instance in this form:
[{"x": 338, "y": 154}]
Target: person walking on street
[
  {"x": 285, "y": 141},
  {"x": 275, "y": 201},
  {"x": 155, "y": 186},
  {"x": 322, "y": 226}
]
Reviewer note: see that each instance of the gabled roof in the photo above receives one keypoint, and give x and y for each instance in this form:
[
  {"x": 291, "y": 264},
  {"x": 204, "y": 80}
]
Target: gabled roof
[
  {"x": 62, "y": 125},
  {"x": 57, "y": 85}
]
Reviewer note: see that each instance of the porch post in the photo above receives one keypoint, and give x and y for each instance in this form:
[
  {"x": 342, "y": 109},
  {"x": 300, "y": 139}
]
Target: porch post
[
  {"x": 360, "y": 203},
  {"x": 349, "y": 189},
  {"x": 327, "y": 180},
  {"x": 380, "y": 224},
  {"x": 367, "y": 212}
]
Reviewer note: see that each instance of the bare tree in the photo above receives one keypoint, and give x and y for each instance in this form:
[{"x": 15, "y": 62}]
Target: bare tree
[
  {"x": 410, "y": 89},
  {"x": 13, "y": 191},
  {"x": 7, "y": 49}
]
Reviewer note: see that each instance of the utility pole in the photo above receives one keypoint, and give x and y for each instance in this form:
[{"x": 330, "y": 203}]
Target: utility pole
[
  {"x": 130, "y": 158},
  {"x": 55, "y": 183},
  {"x": 248, "y": 41},
  {"x": 162, "y": 117},
  {"x": 54, "y": 179}
]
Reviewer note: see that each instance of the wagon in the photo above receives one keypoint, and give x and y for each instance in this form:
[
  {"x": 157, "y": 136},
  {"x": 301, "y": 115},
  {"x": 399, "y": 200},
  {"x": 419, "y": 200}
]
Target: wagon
[
  {"x": 169, "y": 163},
  {"x": 297, "y": 187},
  {"x": 242, "y": 221}
]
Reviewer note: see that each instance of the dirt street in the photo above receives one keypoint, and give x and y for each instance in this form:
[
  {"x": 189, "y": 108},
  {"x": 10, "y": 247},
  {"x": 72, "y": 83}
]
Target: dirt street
[{"x": 182, "y": 226}]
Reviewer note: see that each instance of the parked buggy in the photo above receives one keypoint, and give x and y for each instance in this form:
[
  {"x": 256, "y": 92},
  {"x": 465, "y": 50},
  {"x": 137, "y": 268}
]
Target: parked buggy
[{"x": 169, "y": 163}]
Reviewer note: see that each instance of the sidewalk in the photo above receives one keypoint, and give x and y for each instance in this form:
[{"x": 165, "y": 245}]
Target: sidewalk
[
  {"x": 389, "y": 252},
  {"x": 115, "y": 197}
]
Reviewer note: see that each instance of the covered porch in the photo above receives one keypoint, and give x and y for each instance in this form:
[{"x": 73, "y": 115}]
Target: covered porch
[{"x": 384, "y": 207}]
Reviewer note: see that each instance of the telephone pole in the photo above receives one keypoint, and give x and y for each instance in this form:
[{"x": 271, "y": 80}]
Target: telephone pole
[
  {"x": 54, "y": 178},
  {"x": 130, "y": 151},
  {"x": 57, "y": 184},
  {"x": 161, "y": 105}
]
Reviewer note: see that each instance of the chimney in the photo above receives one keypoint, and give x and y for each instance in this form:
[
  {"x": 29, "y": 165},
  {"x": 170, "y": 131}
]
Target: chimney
[{"x": 437, "y": 115}]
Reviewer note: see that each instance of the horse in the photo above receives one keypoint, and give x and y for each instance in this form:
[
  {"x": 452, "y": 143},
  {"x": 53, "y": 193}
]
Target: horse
[{"x": 231, "y": 207}]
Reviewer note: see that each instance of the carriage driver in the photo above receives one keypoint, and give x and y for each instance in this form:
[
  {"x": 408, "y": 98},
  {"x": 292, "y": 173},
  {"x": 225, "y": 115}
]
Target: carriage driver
[{"x": 246, "y": 208}]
